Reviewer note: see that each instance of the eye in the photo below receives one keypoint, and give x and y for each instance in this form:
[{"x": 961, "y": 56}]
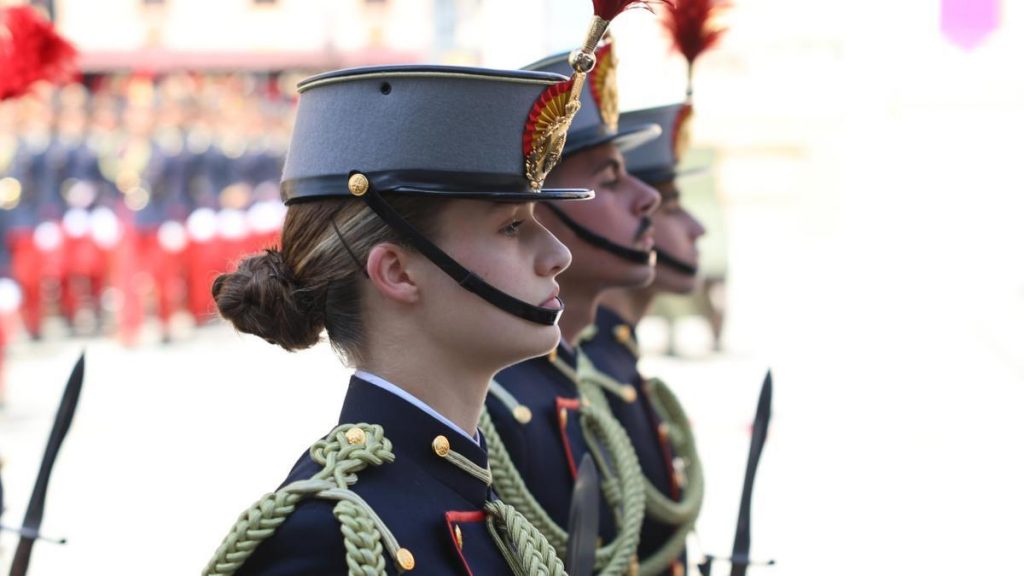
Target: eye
[
  {"x": 512, "y": 230},
  {"x": 611, "y": 184}
]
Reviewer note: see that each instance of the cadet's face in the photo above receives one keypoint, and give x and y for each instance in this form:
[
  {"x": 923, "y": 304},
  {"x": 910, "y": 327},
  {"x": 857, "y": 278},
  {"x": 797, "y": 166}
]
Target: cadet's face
[
  {"x": 506, "y": 246},
  {"x": 676, "y": 232},
  {"x": 618, "y": 211}
]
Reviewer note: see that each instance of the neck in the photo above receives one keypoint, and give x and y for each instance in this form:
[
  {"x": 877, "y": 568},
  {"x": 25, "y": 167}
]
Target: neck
[
  {"x": 630, "y": 304},
  {"x": 580, "y": 308},
  {"x": 453, "y": 386}
]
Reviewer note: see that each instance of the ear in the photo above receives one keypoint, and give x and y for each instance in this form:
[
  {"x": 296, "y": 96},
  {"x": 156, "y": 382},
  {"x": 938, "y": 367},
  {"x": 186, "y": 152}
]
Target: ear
[{"x": 387, "y": 267}]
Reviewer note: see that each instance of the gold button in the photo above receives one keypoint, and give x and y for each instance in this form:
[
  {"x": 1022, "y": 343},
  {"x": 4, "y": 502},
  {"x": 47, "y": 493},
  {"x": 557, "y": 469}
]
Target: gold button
[
  {"x": 677, "y": 568},
  {"x": 634, "y": 566},
  {"x": 441, "y": 446},
  {"x": 405, "y": 559},
  {"x": 355, "y": 436},
  {"x": 563, "y": 417},
  {"x": 663, "y": 431},
  {"x": 458, "y": 537},
  {"x": 358, "y": 184},
  {"x": 553, "y": 355},
  {"x": 679, "y": 471},
  {"x": 623, "y": 334},
  {"x": 629, "y": 393},
  {"x": 522, "y": 414}
]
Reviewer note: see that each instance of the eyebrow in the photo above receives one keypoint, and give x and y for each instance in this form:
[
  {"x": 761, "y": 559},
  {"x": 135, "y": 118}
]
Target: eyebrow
[
  {"x": 502, "y": 207},
  {"x": 612, "y": 163}
]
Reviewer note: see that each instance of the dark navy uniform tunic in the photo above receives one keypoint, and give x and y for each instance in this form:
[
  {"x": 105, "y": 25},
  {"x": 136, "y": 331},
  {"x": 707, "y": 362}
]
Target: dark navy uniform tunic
[
  {"x": 547, "y": 449},
  {"x": 421, "y": 498},
  {"x": 616, "y": 360}
]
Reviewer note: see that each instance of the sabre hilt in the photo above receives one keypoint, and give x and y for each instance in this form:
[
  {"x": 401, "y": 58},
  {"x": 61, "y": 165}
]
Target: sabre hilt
[{"x": 32, "y": 534}]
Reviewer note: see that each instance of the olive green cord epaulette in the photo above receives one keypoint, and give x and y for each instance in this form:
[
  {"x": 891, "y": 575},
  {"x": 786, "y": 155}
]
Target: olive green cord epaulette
[
  {"x": 347, "y": 450},
  {"x": 660, "y": 507},
  {"x": 621, "y": 487}
]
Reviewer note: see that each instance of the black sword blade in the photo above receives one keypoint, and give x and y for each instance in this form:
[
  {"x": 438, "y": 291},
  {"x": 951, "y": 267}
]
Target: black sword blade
[
  {"x": 61, "y": 424},
  {"x": 741, "y": 544},
  {"x": 583, "y": 520}
]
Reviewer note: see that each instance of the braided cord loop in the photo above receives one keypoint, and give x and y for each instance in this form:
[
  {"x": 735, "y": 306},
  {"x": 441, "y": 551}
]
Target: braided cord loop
[
  {"x": 682, "y": 513},
  {"x": 347, "y": 450},
  {"x": 621, "y": 487},
  {"x": 533, "y": 555}
]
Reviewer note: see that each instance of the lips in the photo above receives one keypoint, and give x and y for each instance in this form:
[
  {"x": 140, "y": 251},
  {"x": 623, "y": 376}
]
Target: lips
[
  {"x": 646, "y": 242},
  {"x": 553, "y": 302}
]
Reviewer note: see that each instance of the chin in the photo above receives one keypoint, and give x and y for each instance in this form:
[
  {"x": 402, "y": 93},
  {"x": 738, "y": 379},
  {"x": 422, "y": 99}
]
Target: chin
[
  {"x": 682, "y": 287},
  {"x": 536, "y": 340},
  {"x": 672, "y": 282},
  {"x": 638, "y": 276}
]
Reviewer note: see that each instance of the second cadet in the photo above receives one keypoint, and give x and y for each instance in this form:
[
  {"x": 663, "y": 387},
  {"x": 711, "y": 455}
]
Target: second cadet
[
  {"x": 649, "y": 411},
  {"x": 538, "y": 421}
]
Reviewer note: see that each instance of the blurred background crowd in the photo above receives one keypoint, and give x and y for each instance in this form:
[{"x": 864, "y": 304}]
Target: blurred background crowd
[{"x": 123, "y": 194}]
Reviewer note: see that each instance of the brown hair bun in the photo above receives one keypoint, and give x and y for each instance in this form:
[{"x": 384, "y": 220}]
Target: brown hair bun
[{"x": 263, "y": 298}]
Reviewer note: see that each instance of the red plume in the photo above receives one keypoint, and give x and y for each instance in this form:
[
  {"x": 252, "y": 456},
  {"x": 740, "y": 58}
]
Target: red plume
[
  {"x": 30, "y": 51},
  {"x": 609, "y": 9},
  {"x": 689, "y": 24}
]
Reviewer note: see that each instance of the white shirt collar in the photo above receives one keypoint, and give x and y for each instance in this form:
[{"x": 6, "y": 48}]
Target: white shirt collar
[{"x": 405, "y": 395}]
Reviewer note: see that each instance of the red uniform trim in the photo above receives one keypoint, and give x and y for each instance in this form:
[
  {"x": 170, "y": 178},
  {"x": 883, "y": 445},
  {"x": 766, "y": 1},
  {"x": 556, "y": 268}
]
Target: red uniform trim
[
  {"x": 456, "y": 517},
  {"x": 567, "y": 404},
  {"x": 674, "y": 489}
]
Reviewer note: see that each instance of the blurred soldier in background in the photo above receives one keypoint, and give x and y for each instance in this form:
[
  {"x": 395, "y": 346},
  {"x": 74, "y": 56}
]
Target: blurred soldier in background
[
  {"x": 76, "y": 174},
  {"x": 34, "y": 234}
]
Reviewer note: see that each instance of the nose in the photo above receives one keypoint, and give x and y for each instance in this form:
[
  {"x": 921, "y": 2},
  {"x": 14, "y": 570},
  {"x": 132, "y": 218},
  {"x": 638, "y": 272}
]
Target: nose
[
  {"x": 553, "y": 257},
  {"x": 646, "y": 199},
  {"x": 694, "y": 227}
]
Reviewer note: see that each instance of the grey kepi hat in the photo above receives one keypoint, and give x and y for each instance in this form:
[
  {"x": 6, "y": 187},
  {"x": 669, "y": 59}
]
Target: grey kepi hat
[
  {"x": 660, "y": 160},
  {"x": 430, "y": 130}
]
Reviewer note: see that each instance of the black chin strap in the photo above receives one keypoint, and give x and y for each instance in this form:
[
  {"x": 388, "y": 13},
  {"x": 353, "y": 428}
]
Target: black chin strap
[
  {"x": 684, "y": 268},
  {"x": 624, "y": 252},
  {"x": 464, "y": 277}
]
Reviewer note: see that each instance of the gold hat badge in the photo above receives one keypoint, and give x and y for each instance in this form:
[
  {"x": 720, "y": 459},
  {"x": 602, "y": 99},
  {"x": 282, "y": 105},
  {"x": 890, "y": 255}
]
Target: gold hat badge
[
  {"x": 604, "y": 84},
  {"x": 552, "y": 112}
]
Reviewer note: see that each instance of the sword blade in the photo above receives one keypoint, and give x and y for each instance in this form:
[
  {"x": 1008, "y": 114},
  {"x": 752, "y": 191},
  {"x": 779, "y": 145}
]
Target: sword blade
[
  {"x": 61, "y": 424},
  {"x": 581, "y": 549},
  {"x": 741, "y": 544}
]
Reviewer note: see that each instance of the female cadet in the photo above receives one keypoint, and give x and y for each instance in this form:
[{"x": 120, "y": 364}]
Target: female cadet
[
  {"x": 648, "y": 410},
  {"x": 539, "y": 423},
  {"x": 410, "y": 238}
]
